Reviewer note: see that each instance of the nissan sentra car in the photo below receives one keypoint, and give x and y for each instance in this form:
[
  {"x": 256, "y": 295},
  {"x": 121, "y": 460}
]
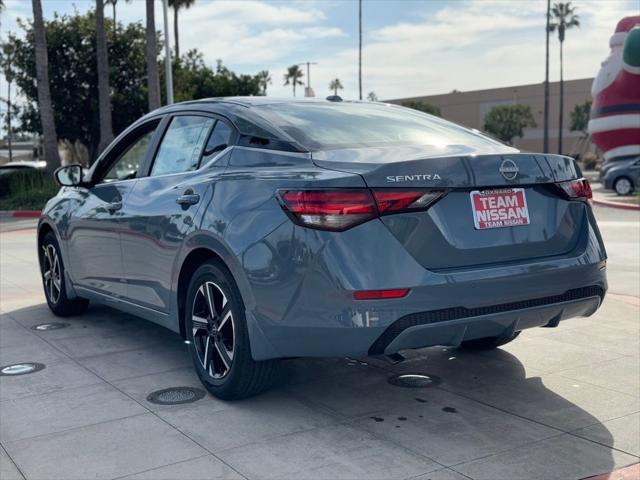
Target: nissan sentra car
[{"x": 262, "y": 229}]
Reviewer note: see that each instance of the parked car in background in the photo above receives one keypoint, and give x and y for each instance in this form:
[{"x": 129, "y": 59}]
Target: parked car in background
[
  {"x": 261, "y": 229},
  {"x": 621, "y": 174},
  {"x": 11, "y": 167}
]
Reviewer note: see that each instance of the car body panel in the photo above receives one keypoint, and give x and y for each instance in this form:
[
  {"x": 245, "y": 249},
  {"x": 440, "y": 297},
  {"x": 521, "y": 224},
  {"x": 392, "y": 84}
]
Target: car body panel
[{"x": 297, "y": 283}]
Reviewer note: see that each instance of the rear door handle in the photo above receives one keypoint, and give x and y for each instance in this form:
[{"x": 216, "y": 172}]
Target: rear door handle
[
  {"x": 113, "y": 206},
  {"x": 188, "y": 199}
]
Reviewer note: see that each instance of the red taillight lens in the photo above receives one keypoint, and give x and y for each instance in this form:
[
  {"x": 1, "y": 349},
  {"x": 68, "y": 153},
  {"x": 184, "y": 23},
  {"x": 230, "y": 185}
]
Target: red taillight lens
[
  {"x": 380, "y": 294},
  {"x": 577, "y": 189},
  {"x": 338, "y": 210},
  {"x": 330, "y": 209}
]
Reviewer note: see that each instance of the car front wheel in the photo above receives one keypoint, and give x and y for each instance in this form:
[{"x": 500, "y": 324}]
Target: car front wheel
[
  {"x": 623, "y": 186},
  {"x": 219, "y": 339},
  {"x": 52, "y": 270}
]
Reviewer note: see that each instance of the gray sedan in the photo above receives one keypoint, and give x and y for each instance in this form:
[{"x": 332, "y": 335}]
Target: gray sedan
[{"x": 621, "y": 175}]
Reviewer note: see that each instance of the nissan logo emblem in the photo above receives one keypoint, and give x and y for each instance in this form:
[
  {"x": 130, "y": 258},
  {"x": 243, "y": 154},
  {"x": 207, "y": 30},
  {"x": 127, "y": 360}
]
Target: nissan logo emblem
[{"x": 508, "y": 169}]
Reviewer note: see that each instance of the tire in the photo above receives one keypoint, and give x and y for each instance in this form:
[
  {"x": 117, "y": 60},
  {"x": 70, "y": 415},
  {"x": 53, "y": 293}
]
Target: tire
[
  {"x": 623, "y": 186},
  {"x": 487, "y": 343},
  {"x": 52, "y": 272},
  {"x": 216, "y": 328}
]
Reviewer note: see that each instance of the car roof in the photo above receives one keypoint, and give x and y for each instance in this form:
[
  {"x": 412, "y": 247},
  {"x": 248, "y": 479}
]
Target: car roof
[{"x": 25, "y": 163}]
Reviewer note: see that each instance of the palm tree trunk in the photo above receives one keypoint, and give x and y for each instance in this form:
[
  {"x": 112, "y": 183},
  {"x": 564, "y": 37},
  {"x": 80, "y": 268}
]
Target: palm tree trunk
[
  {"x": 359, "y": 48},
  {"x": 115, "y": 23},
  {"x": 545, "y": 147},
  {"x": 294, "y": 88},
  {"x": 9, "y": 121},
  {"x": 175, "y": 31},
  {"x": 153, "y": 78},
  {"x": 104, "y": 92},
  {"x": 561, "y": 105},
  {"x": 51, "y": 154}
]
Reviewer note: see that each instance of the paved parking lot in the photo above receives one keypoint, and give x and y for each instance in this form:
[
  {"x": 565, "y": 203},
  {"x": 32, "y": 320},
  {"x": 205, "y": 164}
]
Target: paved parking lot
[{"x": 555, "y": 404}]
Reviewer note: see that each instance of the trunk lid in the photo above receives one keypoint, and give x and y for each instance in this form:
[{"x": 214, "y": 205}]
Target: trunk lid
[{"x": 444, "y": 236}]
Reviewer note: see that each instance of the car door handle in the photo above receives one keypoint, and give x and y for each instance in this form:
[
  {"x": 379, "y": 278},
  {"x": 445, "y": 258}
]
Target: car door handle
[
  {"x": 188, "y": 199},
  {"x": 113, "y": 206}
]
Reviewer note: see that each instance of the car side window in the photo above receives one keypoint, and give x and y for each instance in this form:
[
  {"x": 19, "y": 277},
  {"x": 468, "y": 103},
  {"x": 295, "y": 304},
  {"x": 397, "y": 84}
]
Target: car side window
[
  {"x": 129, "y": 162},
  {"x": 182, "y": 144},
  {"x": 219, "y": 139}
]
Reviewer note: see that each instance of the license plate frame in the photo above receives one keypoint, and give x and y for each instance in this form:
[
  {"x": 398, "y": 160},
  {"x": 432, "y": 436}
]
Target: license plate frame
[{"x": 499, "y": 208}]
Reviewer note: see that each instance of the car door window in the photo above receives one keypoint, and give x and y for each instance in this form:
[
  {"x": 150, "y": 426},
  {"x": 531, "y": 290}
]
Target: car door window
[
  {"x": 219, "y": 139},
  {"x": 129, "y": 162},
  {"x": 182, "y": 145}
]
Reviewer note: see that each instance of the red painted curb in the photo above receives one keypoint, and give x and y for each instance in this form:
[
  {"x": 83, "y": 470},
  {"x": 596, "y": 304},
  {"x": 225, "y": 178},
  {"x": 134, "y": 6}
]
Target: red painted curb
[
  {"x": 26, "y": 213},
  {"x": 621, "y": 206},
  {"x": 629, "y": 473}
]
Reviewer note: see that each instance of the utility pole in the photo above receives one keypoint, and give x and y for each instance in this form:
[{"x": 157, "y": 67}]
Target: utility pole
[
  {"x": 360, "y": 48},
  {"x": 545, "y": 147},
  {"x": 308, "y": 91},
  {"x": 167, "y": 54}
]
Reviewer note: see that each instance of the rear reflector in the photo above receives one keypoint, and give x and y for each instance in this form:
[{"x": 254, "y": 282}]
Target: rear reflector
[
  {"x": 338, "y": 210},
  {"x": 577, "y": 189},
  {"x": 380, "y": 294}
]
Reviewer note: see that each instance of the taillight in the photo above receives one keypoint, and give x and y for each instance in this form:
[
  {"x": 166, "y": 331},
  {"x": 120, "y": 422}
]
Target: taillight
[
  {"x": 338, "y": 210},
  {"x": 330, "y": 209},
  {"x": 577, "y": 189}
]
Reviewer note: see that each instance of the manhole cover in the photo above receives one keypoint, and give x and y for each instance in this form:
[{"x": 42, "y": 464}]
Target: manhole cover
[
  {"x": 414, "y": 380},
  {"x": 175, "y": 396},
  {"x": 50, "y": 326},
  {"x": 20, "y": 369}
]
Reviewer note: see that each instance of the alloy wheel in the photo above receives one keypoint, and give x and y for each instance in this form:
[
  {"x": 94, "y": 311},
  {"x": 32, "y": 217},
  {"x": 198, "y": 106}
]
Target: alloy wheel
[
  {"x": 623, "y": 186},
  {"x": 51, "y": 273},
  {"x": 213, "y": 330}
]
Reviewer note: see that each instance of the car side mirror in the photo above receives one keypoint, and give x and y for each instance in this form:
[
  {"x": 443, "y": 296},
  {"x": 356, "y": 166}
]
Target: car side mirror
[{"x": 69, "y": 176}]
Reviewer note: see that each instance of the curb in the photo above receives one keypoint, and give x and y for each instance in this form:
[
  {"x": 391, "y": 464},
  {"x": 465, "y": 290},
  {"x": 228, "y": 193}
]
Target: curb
[
  {"x": 621, "y": 206},
  {"x": 21, "y": 213}
]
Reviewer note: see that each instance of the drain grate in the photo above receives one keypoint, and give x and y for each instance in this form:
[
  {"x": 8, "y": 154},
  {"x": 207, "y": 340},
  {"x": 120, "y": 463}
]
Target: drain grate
[
  {"x": 414, "y": 380},
  {"x": 176, "y": 396},
  {"x": 20, "y": 369},
  {"x": 50, "y": 326}
]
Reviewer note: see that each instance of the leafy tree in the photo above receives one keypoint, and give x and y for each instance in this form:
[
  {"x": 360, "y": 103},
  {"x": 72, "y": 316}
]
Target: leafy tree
[
  {"x": 564, "y": 18},
  {"x": 423, "y": 107},
  {"x": 73, "y": 78},
  {"x": 43, "y": 90},
  {"x": 293, "y": 76},
  {"x": 177, "y": 5},
  {"x": 580, "y": 117},
  {"x": 336, "y": 85},
  {"x": 104, "y": 91},
  {"x": 372, "y": 97},
  {"x": 508, "y": 121}
]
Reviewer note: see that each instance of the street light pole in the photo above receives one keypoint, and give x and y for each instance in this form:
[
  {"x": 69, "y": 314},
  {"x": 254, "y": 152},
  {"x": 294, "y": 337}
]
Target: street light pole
[
  {"x": 545, "y": 147},
  {"x": 167, "y": 54},
  {"x": 308, "y": 64}
]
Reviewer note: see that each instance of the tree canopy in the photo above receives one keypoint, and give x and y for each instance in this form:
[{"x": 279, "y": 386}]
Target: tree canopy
[
  {"x": 71, "y": 47},
  {"x": 580, "y": 117},
  {"x": 423, "y": 107},
  {"x": 508, "y": 121}
]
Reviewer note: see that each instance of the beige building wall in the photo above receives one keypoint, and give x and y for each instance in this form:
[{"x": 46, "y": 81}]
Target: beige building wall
[{"x": 469, "y": 108}]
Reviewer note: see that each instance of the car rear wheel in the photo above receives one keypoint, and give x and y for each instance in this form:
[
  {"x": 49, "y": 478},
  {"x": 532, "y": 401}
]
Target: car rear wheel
[
  {"x": 623, "y": 186},
  {"x": 52, "y": 270},
  {"x": 488, "y": 343},
  {"x": 219, "y": 340}
]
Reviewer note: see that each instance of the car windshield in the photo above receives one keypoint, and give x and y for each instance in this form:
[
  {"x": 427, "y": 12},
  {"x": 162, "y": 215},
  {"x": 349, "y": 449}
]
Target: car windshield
[{"x": 348, "y": 125}]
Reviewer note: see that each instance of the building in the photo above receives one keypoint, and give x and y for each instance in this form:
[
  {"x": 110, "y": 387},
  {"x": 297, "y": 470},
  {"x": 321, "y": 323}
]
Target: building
[{"x": 469, "y": 108}]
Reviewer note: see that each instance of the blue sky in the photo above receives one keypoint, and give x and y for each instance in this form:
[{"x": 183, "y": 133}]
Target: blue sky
[{"x": 411, "y": 47}]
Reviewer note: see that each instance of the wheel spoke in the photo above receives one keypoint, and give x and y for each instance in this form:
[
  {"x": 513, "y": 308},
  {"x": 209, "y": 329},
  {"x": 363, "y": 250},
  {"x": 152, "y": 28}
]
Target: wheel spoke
[
  {"x": 198, "y": 323},
  {"x": 47, "y": 276},
  {"x": 210, "y": 302},
  {"x": 206, "y": 358},
  {"x": 224, "y": 317},
  {"x": 223, "y": 354}
]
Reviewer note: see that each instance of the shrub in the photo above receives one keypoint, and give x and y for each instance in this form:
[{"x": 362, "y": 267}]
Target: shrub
[{"x": 28, "y": 189}]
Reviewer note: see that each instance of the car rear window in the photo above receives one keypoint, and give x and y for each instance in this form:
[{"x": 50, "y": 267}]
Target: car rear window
[{"x": 347, "y": 125}]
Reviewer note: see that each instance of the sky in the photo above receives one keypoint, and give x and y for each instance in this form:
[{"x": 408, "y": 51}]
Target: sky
[{"x": 410, "y": 47}]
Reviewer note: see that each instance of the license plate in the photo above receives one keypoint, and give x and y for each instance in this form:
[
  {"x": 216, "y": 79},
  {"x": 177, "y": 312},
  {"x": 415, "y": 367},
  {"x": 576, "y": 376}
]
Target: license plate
[{"x": 506, "y": 207}]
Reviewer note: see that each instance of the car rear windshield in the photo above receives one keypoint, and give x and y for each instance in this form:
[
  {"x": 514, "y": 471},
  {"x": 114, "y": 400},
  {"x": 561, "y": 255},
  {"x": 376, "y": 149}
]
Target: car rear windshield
[{"x": 349, "y": 125}]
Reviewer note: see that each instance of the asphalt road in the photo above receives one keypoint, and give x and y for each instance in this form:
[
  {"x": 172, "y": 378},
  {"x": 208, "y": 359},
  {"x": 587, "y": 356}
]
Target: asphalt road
[{"x": 555, "y": 404}]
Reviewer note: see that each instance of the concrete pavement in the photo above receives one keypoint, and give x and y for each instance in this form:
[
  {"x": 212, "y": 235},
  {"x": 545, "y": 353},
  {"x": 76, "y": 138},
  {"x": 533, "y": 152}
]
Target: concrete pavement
[{"x": 555, "y": 404}]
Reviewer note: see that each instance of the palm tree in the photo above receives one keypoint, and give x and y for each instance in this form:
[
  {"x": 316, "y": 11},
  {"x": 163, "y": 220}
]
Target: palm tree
[
  {"x": 104, "y": 92},
  {"x": 177, "y": 5},
  {"x": 293, "y": 76},
  {"x": 153, "y": 78},
  {"x": 372, "y": 97},
  {"x": 335, "y": 85},
  {"x": 564, "y": 17},
  {"x": 113, "y": 9},
  {"x": 47, "y": 121},
  {"x": 264, "y": 79},
  {"x": 546, "y": 82}
]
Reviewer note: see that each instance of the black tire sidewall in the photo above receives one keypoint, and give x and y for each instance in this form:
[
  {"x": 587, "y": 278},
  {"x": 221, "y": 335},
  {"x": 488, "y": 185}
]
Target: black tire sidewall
[{"x": 215, "y": 272}]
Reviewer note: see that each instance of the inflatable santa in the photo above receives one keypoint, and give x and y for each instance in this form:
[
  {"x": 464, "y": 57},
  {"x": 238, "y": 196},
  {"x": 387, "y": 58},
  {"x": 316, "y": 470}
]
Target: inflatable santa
[{"x": 615, "y": 114}]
